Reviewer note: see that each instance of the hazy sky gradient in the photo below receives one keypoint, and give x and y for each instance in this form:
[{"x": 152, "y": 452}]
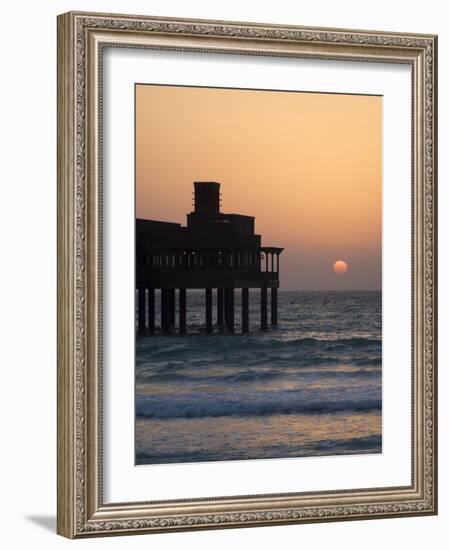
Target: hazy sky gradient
[{"x": 308, "y": 166}]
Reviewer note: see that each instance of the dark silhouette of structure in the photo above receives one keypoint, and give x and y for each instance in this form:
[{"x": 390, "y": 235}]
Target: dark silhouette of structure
[{"x": 214, "y": 251}]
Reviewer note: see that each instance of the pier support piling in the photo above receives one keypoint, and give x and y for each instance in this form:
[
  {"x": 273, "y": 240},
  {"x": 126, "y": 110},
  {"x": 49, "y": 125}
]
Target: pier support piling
[
  {"x": 165, "y": 309},
  {"x": 208, "y": 310},
  {"x": 229, "y": 307},
  {"x": 274, "y": 306},
  {"x": 245, "y": 310},
  {"x": 141, "y": 311},
  {"x": 172, "y": 294},
  {"x": 151, "y": 293},
  {"x": 182, "y": 310},
  {"x": 263, "y": 307},
  {"x": 220, "y": 312},
  {"x": 225, "y": 309}
]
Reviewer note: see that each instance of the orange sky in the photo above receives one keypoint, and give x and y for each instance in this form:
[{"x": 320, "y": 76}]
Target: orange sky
[{"x": 308, "y": 166}]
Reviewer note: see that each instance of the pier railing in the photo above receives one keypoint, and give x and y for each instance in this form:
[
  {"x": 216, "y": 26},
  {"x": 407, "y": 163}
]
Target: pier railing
[{"x": 265, "y": 259}]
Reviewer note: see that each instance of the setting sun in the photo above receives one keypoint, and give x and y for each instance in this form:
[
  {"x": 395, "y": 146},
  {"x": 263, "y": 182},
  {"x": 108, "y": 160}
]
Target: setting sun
[{"x": 340, "y": 267}]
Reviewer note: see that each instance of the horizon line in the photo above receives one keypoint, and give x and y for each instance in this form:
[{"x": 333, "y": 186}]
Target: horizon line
[
  {"x": 307, "y": 290},
  {"x": 330, "y": 289}
]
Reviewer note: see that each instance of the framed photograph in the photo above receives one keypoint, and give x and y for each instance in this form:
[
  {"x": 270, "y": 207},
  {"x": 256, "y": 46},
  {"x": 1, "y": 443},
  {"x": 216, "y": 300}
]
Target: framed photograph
[{"x": 246, "y": 274}]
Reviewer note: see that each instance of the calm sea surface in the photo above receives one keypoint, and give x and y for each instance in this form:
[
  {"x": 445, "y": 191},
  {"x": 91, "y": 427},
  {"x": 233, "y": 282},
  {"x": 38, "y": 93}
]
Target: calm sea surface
[{"x": 311, "y": 387}]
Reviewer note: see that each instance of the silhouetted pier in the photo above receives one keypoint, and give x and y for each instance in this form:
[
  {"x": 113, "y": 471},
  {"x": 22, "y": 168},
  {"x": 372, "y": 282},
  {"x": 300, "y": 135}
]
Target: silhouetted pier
[{"x": 216, "y": 252}]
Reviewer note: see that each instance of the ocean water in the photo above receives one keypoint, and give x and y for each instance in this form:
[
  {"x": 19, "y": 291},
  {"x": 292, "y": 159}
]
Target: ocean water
[{"x": 310, "y": 387}]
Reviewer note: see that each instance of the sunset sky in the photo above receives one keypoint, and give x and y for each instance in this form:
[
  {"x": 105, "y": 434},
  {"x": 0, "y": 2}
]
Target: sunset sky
[{"x": 308, "y": 166}]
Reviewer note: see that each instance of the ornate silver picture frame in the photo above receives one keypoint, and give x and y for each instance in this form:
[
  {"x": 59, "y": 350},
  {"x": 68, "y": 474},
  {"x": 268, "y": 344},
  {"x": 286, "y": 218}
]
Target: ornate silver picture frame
[{"x": 83, "y": 39}]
